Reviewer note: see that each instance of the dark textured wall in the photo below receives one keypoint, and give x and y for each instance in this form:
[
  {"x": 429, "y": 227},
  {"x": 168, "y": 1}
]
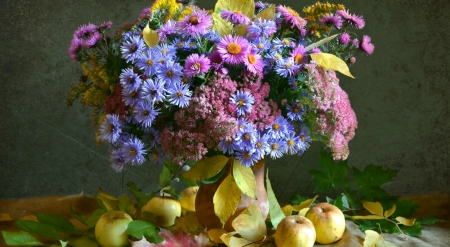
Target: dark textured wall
[{"x": 400, "y": 95}]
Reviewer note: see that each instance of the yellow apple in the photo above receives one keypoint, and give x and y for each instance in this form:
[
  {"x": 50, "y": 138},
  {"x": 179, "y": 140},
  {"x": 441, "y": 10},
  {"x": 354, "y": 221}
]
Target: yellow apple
[
  {"x": 329, "y": 222},
  {"x": 110, "y": 230},
  {"x": 295, "y": 231},
  {"x": 165, "y": 210},
  {"x": 188, "y": 198}
]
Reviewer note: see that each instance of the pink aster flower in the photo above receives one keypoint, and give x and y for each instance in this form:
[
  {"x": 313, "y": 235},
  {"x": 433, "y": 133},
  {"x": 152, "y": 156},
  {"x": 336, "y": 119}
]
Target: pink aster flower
[
  {"x": 254, "y": 62},
  {"x": 344, "y": 38},
  {"x": 298, "y": 54},
  {"x": 235, "y": 17},
  {"x": 233, "y": 50},
  {"x": 216, "y": 59},
  {"x": 357, "y": 21},
  {"x": 366, "y": 45},
  {"x": 344, "y": 14},
  {"x": 198, "y": 23},
  {"x": 196, "y": 65},
  {"x": 331, "y": 19},
  {"x": 292, "y": 17}
]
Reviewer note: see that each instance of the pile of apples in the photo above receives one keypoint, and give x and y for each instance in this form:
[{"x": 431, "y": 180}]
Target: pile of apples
[{"x": 323, "y": 223}]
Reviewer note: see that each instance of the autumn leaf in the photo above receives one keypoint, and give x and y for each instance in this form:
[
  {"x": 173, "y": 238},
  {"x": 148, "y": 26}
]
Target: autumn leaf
[
  {"x": 151, "y": 37},
  {"x": 330, "y": 61},
  {"x": 373, "y": 239},
  {"x": 275, "y": 212},
  {"x": 226, "y": 199},
  {"x": 304, "y": 204},
  {"x": 226, "y": 238},
  {"x": 267, "y": 13},
  {"x": 215, "y": 234},
  {"x": 177, "y": 238},
  {"x": 245, "y": 179},
  {"x": 405, "y": 221},
  {"x": 189, "y": 223},
  {"x": 206, "y": 168},
  {"x": 246, "y": 7},
  {"x": 373, "y": 207},
  {"x": 389, "y": 212},
  {"x": 250, "y": 224},
  {"x": 221, "y": 26},
  {"x": 110, "y": 202}
]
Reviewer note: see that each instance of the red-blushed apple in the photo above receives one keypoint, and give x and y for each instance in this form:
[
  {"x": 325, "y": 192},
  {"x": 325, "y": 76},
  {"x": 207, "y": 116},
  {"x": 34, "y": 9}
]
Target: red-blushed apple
[
  {"x": 187, "y": 201},
  {"x": 165, "y": 209},
  {"x": 110, "y": 230},
  {"x": 295, "y": 231},
  {"x": 329, "y": 222}
]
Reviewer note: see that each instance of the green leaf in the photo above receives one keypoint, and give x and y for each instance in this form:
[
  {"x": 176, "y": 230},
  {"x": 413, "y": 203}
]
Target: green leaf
[
  {"x": 370, "y": 180},
  {"x": 142, "y": 201},
  {"x": 63, "y": 243},
  {"x": 135, "y": 191},
  {"x": 126, "y": 204},
  {"x": 78, "y": 216},
  {"x": 83, "y": 241},
  {"x": 38, "y": 228},
  {"x": 164, "y": 177},
  {"x": 214, "y": 178},
  {"x": 172, "y": 166},
  {"x": 172, "y": 192},
  {"x": 429, "y": 220},
  {"x": 332, "y": 175},
  {"x": 20, "y": 239},
  {"x": 353, "y": 201},
  {"x": 405, "y": 208},
  {"x": 413, "y": 231},
  {"x": 92, "y": 220},
  {"x": 297, "y": 199},
  {"x": 275, "y": 212},
  {"x": 189, "y": 182},
  {"x": 139, "y": 228},
  {"x": 58, "y": 223}
]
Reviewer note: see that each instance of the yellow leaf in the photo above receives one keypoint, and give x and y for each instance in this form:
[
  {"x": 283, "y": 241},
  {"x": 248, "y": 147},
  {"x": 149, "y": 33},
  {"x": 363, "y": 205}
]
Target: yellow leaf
[
  {"x": 320, "y": 42},
  {"x": 373, "y": 239},
  {"x": 250, "y": 224},
  {"x": 405, "y": 221},
  {"x": 240, "y": 30},
  {"x": 245, "y": 179},
  {"x": 227, "y": 237},
  {"x": 275, "y": 212},
  {"x": 330, "y": 61},
  {"x": 304, "y": 204},
  {"x": 367, "y": 217},
  {"x": 246, "y": 7},
  {"x": 267, "y": 13},
  {"x": 5, "y": 217},
  {"x": 30, "y": 217},
  {"x": 216, "y": 234},
  {"x": 221, "y": 26},
  {"x": 189, "y": 223},
  {"x": 111, "y": 203},
  {"x": 239, "y": 242},
  {"x": 287, "y": 210},
  {"x": 151, "y": 37},
  {"x": 226, "y": 199},
  {"x": 373, "y": 207},
  {"x": 206, "y": 168},
  {"x": 389, "y": 212},
  {"x": 303, "y": 211}
]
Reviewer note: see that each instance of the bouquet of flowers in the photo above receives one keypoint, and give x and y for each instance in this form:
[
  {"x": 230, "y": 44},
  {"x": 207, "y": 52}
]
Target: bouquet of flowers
[{"x": 247, "y": 80}]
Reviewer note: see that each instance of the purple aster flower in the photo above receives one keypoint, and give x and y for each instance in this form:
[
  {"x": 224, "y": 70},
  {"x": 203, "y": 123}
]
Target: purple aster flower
[
  {"x": 153, "y": 90},
  {"x": 292, "y": 143},
  {"x": 262, "y": 28},
  {"x": 198, "y": 23},
  {"x": 235, "y": 17},
  {"x": 216, "y": 59},
  {"x": 147, "y": 62},
  {"x": 145, "y": 113},
  {"x": 168, "y": 28},
  {"x": 179, "y": 94},
  {"x": 260, "y": 44},
  {"x": 129, "y": 80},
  {"x": 170, "y": 72},
  {"x": 291, "y": 16},
  {"x": 355, "y": 43},
  {"x": 298, "y": 54},
  {"x": 94, "y": 38},
  {"x": 279, "y": 128},
  {"x": 357, "y": 21},
  {"x": 166, "y": 50},
  {"x": 151, "y": 137},
  {"x": 295, "y": 112},
  {"x": 366, "y": 45},
  {"x": 261, "y": 5},
  {"x": 287, "y": 67},
  {"x": 344, "y": 38},
  {"x": 243, "y": 101},
  {"x": 277, "y": 148},
  {"x": 196, "y": 65},
  {"x": 118, "y": 160},
  {"x": 316, "y": 50},
  {"x": 110, "y": 129},
  {"x": 254, "y": 62},
  {"x": 104, "y": 25},
  {"x": 304, "y": 139},
  {"x": 331, "y": 19},
  {"x": 131, "y": 96},
  {"x": 131, "y": 49},
  {"x": 247, "y": 157},
  {"x": 233, "y": 49},
  {"x": 227, "y": 146},
  {"x": 344, "y": 14},
  {"x": 145, "y": 13},
  {"x": 262, "y": 146},
  {"x": 246, "y": 137},
  {"x": 88, "y": 35},
  {"x": 75, "y": 47},
  {"x": 132, "y": 151}
]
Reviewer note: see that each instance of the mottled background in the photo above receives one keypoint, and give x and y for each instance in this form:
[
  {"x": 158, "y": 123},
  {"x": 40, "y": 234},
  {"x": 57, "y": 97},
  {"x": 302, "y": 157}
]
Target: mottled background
[{"x": 400, "y": 95}]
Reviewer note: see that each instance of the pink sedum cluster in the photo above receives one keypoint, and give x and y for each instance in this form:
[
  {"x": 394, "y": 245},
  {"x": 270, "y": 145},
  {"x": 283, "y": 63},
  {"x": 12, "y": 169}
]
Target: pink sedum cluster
[{"x": 335, "y": 114}]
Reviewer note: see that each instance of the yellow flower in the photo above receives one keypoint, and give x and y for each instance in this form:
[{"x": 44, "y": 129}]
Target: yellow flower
[{"x": 319, "y": 9}]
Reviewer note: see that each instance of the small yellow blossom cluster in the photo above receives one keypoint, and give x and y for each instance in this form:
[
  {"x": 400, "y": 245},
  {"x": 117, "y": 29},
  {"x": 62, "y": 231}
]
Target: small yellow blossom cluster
[
  {"x": 317, "y": 10},
  {"x": 171, "y": 7}
]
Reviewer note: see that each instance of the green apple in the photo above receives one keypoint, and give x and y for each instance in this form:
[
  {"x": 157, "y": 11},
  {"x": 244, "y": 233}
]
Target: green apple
[
  {"x": 187, "y": 201},
  {"x": 329, "y": 222},
  {"x": 295, "y": 231},
  {"x": 110, "y": 230},
  {"x": 165, "y": 209}
]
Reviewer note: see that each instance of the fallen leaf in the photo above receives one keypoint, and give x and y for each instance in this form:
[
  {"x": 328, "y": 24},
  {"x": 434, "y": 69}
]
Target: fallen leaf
[
  {"x": 330, "y": 61},
  {"x": 405, "y": 221},
  {"x": 250, "y": 224},
  {"x": 5, "y": 217},
  {"x": 303, "y": 211},
  {"x": 177, "y": 238},
  {"x": 373, "y": 207},
  {"x": 287, "y": 210},
  {"x": 141, "y": 243},
  {"x": 226, "y": 199},
  {"x": 215, "y": 234},
  {"x": 373, "y": 239}
]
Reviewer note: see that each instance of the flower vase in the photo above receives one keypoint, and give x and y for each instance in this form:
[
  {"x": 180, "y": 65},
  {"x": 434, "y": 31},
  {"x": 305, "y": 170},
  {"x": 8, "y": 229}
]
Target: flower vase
[{"x": 204, "y": 205}]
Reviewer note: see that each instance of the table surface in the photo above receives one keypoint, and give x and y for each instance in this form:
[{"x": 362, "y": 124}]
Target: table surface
[{"x": 436, "y": 205}]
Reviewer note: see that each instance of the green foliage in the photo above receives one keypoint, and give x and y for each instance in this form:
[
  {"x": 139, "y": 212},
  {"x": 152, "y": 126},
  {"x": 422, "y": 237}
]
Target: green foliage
[
  {"x": 20, "y": 239},
  {"x": 58, "y": 223},
  {"x": 332, "y": 175},
  {"x": 140, "y": 228},
  {"x": 369, "y": 185}
]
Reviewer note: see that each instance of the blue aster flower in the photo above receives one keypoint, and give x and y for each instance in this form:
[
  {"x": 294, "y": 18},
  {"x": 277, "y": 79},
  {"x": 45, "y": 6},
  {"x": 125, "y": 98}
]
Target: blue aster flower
[
  {"x": 110, "y": 129},
  {"x": 170, "y": 72},
  {"x": 262, "y": 146},
  {"x": 151, "y": 136},
  {"x": 153, "y": 90},
  {"x": 131, "y": 96},
  {"x": 304, "y": 139},
  {"x": 147, "y": 62},
  {"x": 166, "y": 50},
  {"x": 179, "y": 94},
  {"x": 227, "y": 146},
  {"x": 118, "y": 160},
  {"x": 129, "y": 80},
  {"x": 246, "y": 137},
  {"x": 145, "y": 113},
  {"x": 280, "y": 128},
  {"x": 158, "y": 155},
  {"x": 292, "y": 143},
  {"x": 247, "y": 157},
  {"x": 282, "y": 43},
  {"x": 277, "y": 148},
  {"x": 262, "y": 28},
  {"x": 212, "y": 37},
  {"x": 132, "y": 151},
  {"x": 243, "y": 101},
  {"x": 132, "y": 48},
  {"x": 295, "y": 111},
  {"x": 260, "y": 44},
  {"x": 287, "y": 67}
]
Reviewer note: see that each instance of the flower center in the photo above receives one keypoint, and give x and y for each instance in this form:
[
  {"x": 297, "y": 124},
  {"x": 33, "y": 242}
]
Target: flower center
[
  {"x": 251, "y": 59},
  {"x": 247, "y": 155},
  {"x": 146, "y": 113},
  {"x": 246, "y": 136},
  {"x": 151, "y": 137},
  {"x": 290, "y": 143},
  {"x": 149, "y": 62},
  {"x": 276, "y": 126},
  {"x": 237, "y": 12},
  {"x": 155, "y": 155},
  {"x": 133, "y": 151},
  {"x": 286, "y": 41},
  {"x": 164, "y": 51},
  {"x": 240, "y": 102},
  {"x": 185, "y": 80},
  {"x": 303, "y": 138},
  {"x": 295, "y": 109},
  {"x": 298, "y": 58},
  {"x": 161, "y": 61},
  {"x": 133, "y": 48},
  {"x": 133, "y": 94},
  {"x": 179, "y": 94},
  {"x": 230, "y": 142},
  {"x": 234, "y": 48},
  {"x": 288, "y": 65},
  {"x": 198, "y": 66},
  {"x": 170, "y": 73},
  {"x": 258, "y": 144},
  {"x": 260, "y": 46},
  {"x": 275, "y": 146},
  {"x": 180, "y": 44},
  {"x": 193, "y": 20},
  {"x": 110, "y": 128}
]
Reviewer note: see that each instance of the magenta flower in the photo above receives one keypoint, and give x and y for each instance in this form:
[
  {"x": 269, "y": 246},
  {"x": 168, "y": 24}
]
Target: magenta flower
[
  {"x": 254, "y": 62},
  {"x": 357, "y": 21},
  {"x": 344, "y": 38},
  {"x": 291, "y": 16},
  {"x": 366, "y": 45},
  {"x": 196, "y": 65},
  {"x": 298, "y": 54},
  {"x": 331, "y": 19},
  {"x": 198, "y": 23},
  {"x": 233, "y": 50},
  {"x": 235, "y": 17}
]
